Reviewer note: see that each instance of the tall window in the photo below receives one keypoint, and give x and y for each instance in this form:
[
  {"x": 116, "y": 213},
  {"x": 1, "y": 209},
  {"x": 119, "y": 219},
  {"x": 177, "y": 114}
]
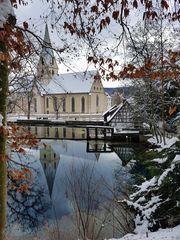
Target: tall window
[
  {"x": 64, "y": 104},
  {"x": 97, "y": 101},
  {"x": 35, "y": 105},
  {"x": 55, "y": 103},
  {"x": 47, "y": 102},
  {"x": 82, "y": 104},
  {"x": 72, "y": 104}
]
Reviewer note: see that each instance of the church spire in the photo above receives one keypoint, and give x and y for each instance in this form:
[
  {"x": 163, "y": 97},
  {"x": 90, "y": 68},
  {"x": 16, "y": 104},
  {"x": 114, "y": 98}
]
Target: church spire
[
  {"x": 46, "y": 36},
  {"x": 47, "y": 66}
]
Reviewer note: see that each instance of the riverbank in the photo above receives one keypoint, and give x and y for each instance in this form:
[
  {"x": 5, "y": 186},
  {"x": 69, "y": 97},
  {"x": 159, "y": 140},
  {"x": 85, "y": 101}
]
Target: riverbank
[{"x": 162, "y": 234}]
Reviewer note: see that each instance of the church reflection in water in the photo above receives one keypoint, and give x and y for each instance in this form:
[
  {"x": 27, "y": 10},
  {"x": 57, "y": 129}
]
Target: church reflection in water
[
  {"x": 52, "y": 152},
  {"x": 57, "y": 161},
  {"x": 49, "y": 160}
]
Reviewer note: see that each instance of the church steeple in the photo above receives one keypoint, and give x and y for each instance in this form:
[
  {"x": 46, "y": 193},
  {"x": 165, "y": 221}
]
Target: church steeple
[{"x": 47, "y": 66}]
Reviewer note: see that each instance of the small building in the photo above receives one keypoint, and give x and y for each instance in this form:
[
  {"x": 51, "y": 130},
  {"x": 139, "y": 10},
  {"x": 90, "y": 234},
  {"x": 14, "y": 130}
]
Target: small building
[{"x": 122, "y": 117}]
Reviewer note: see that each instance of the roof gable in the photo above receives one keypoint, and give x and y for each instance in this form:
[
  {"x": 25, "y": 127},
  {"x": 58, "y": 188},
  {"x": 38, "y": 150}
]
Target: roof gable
[{"x": 112, "y": 112}]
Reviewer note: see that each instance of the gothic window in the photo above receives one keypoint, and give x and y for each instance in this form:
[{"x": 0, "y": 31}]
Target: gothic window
[
  {"x": 97, "y": 101},
  {"x": 82, "y": 104},
  {"x": 35, "y": 105},
  {"x": 64, "y": 105},
  {"x": 47, "y": 102},
  {"x": 72, "y": 104},
  {"x": 55, "y": 103}
]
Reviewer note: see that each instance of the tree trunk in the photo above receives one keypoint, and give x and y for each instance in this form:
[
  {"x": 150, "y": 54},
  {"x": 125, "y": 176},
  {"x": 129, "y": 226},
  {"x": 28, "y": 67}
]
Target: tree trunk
[{"x": 3, "y": 165}]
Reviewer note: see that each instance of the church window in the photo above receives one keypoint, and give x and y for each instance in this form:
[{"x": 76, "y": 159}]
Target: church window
[
  {"x": 52, "y": 72},
  {"x": 42, "y": 61},
  {"x": 35, "y": 105},
  {"x": 72, "y": 104},
  {"x": 97, "y": 101},
  {"x": 64, "y": 105},
  {"x": 47, "y": 102},
  {"x": 52, "y": 61},
  {"x": 82, "y": 104},
  {"x": 44, "y": 155},
  {"x": 55, "y": 104}
]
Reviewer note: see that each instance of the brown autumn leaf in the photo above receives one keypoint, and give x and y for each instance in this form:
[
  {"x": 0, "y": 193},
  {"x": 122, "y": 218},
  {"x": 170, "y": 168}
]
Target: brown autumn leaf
[
  {"x": 126, "y": 12},
  {"x": 25, "y": 25}
]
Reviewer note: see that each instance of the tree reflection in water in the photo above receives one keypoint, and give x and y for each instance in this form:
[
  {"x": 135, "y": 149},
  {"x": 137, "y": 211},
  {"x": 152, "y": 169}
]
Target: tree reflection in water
[{"x": 27, "y": 209}]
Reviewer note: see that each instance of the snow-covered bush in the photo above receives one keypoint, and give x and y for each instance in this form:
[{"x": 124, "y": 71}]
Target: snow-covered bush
[{"x": 157, "y": 199}]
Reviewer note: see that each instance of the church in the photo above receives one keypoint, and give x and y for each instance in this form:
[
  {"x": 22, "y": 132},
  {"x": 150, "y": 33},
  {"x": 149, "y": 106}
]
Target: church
[{"x": 69, "y": 93}]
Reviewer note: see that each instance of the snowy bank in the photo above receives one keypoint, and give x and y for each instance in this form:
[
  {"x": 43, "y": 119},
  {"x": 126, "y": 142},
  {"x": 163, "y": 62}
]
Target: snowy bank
[
  {"x": 162, "y": 234},
  {"x": 169, "y": 142}
]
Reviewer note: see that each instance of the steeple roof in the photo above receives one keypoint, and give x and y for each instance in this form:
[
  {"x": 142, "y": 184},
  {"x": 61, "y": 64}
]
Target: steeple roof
[
  {"x": 47, "y": 53},
  {"x": 47, "y": 40}
]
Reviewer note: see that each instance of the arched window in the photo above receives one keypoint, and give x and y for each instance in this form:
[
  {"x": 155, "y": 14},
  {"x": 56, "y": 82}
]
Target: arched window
[
  {"x": 97, "y": 101},
  {"x": 72, "y": 104},
  {"x": 52, "y": 72},
  {"x": 35, "y": 105},
  {"x": 47, "y": 102},
  {"x": 55, "y": 104},
  {"x": 82, "y": 104},
  {"x": 64, "y": 105}
]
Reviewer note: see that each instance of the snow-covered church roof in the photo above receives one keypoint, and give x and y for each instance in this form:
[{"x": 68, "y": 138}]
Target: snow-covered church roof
[{"x": 79, "y": 82}]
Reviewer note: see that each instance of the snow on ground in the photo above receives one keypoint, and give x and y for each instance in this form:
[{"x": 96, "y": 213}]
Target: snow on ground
[
  {"x": 162, "y": 234},
  {"x": 160, "y": 160},
  {"x": 177, "y": 158},
  {"x": 169, "y": 142},
  {"x": 141, "y": 230}
]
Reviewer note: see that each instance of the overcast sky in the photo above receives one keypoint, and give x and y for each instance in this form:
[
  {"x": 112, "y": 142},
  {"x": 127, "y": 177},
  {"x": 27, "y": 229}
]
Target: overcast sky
[{"x": 33, "y": 13}]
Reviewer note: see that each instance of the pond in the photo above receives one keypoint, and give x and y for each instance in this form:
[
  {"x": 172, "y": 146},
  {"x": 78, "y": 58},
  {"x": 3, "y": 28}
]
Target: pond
[{"x": 74, "y": 183}]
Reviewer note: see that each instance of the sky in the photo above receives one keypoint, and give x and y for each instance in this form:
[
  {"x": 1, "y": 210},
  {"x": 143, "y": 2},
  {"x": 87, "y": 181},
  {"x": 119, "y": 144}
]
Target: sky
[{"x": 33, "y": 13}]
